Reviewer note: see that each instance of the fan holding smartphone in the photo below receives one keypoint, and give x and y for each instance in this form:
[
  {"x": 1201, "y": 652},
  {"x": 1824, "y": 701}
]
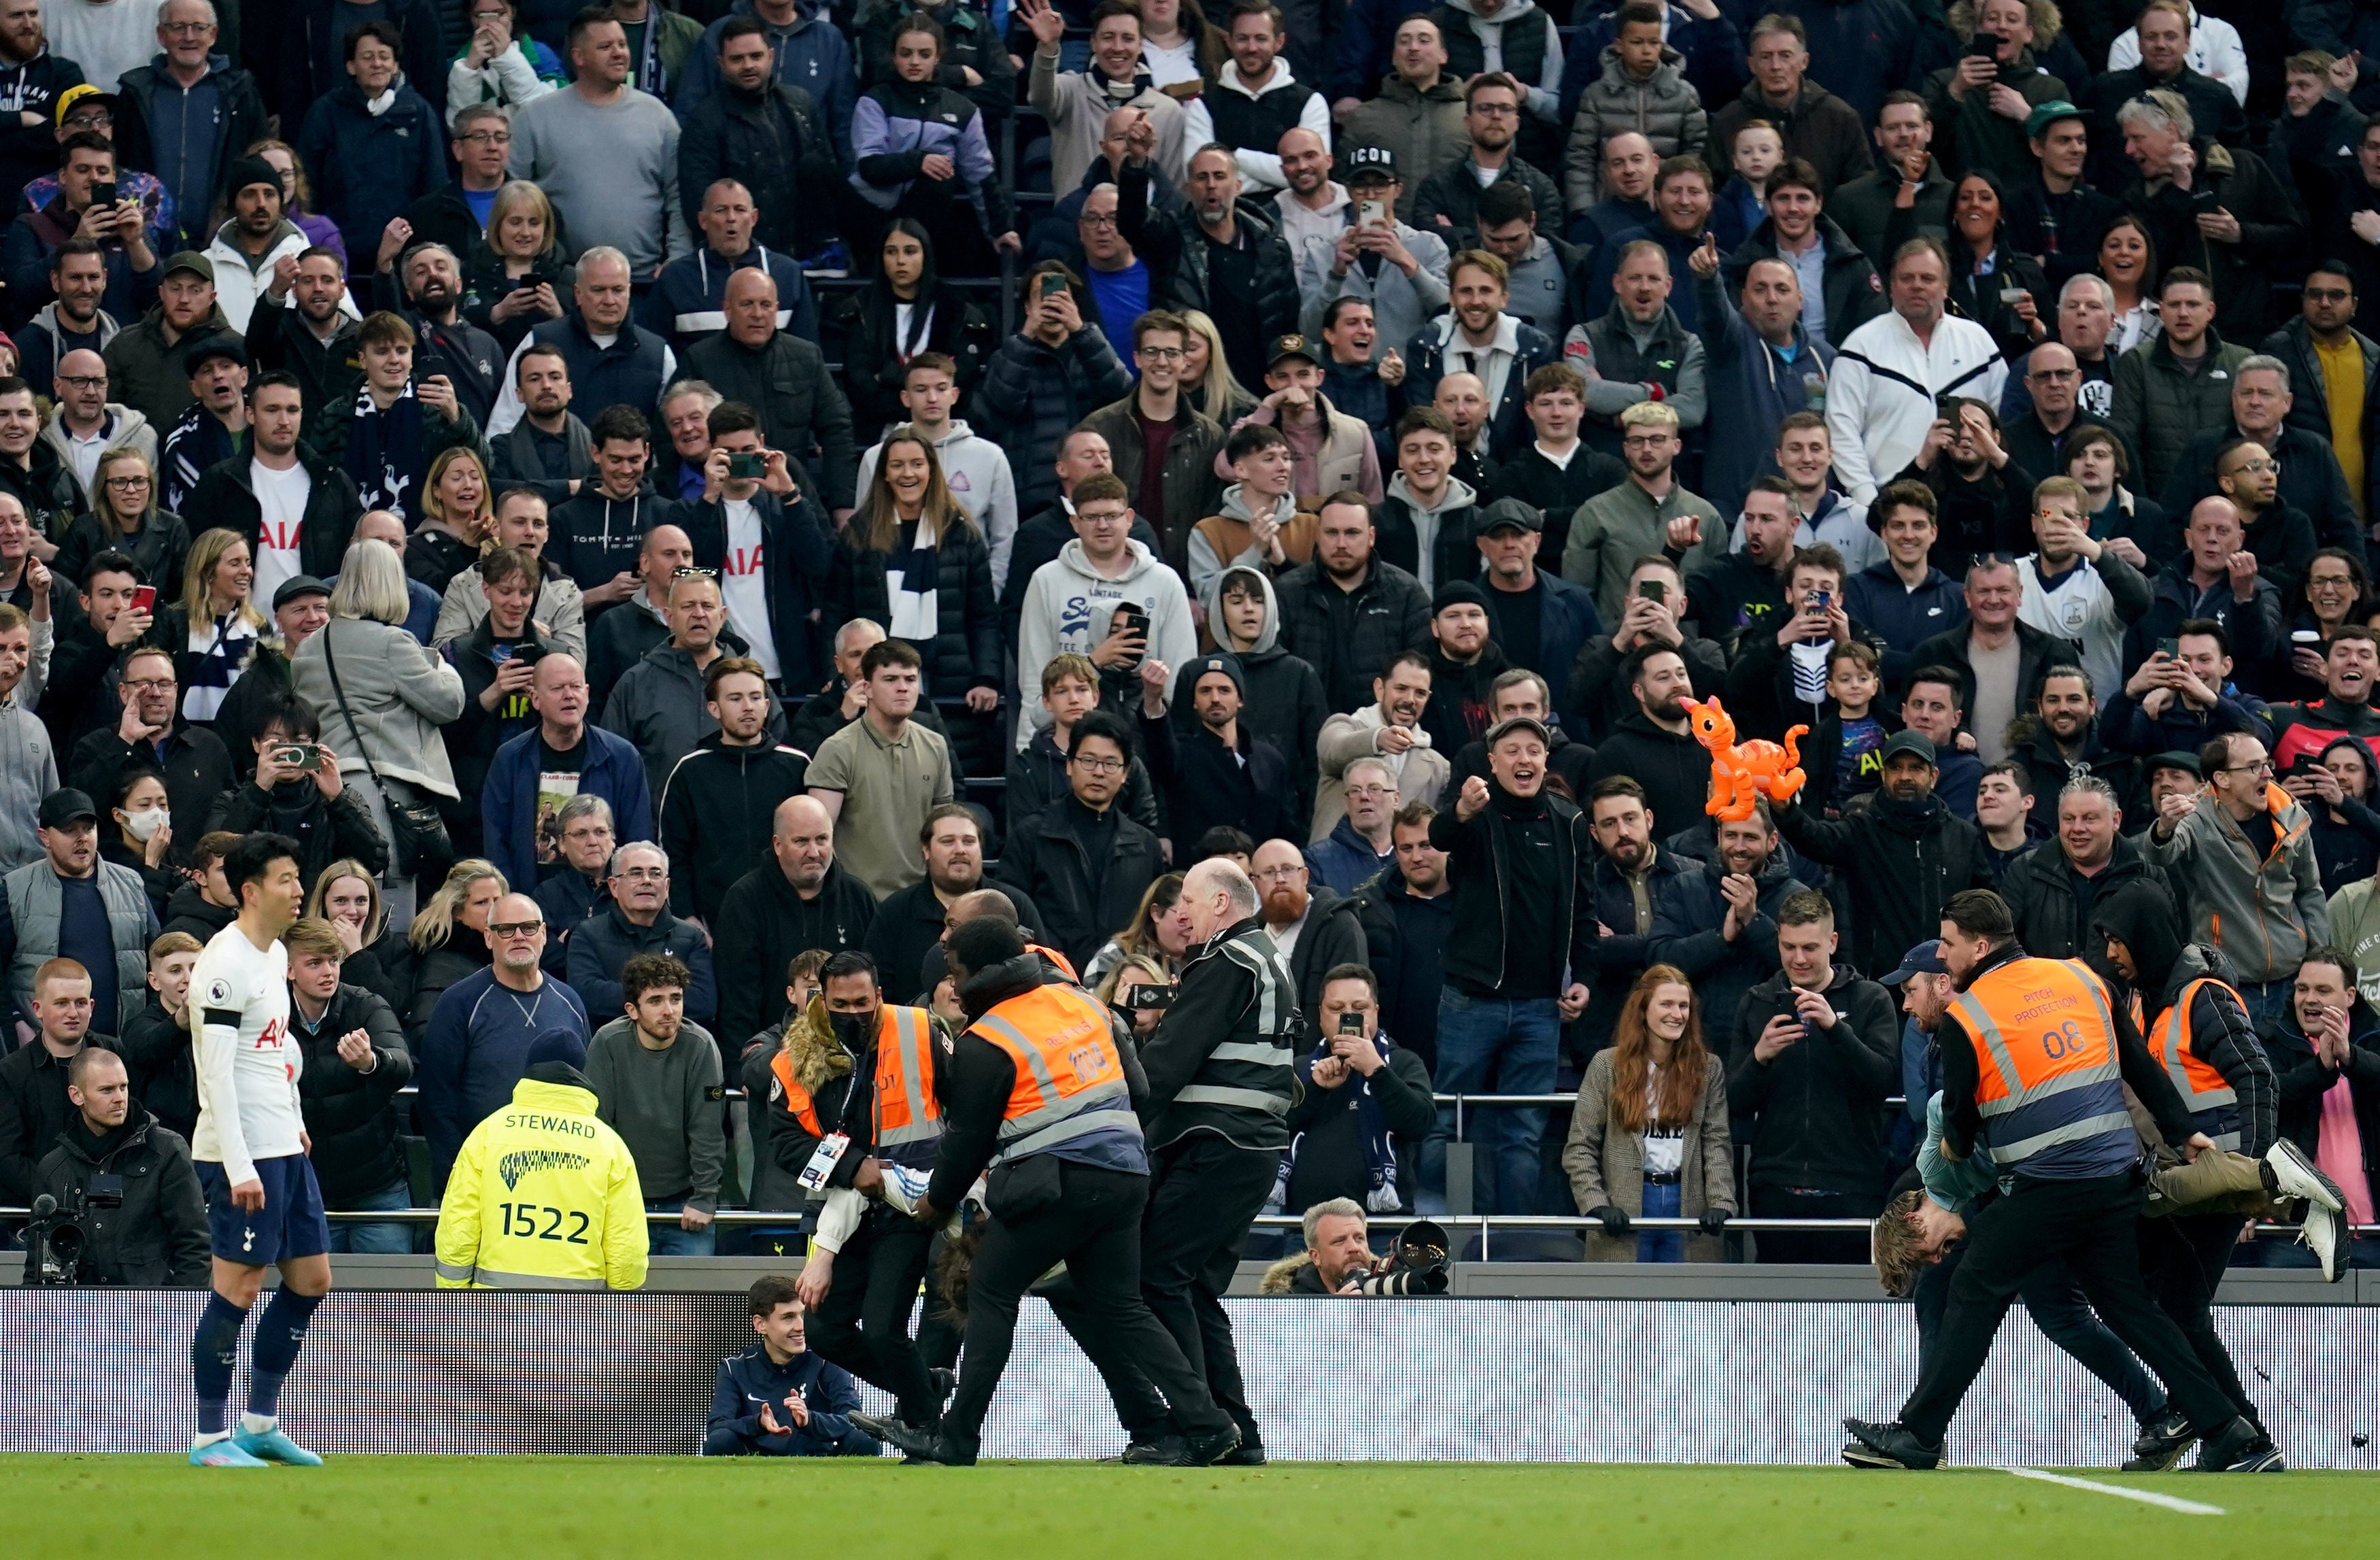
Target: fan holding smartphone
[{"x": 1367, "y": 1098}]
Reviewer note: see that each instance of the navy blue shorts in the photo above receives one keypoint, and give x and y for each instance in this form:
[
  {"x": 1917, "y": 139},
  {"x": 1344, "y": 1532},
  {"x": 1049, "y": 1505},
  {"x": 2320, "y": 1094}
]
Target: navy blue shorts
[{"x": 289, "y": 1225}]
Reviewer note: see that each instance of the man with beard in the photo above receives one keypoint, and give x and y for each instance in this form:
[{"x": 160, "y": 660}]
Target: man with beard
[
  {"x": 1400, "y": 270},
  {"x": 1631, "y": 873},
  {"x": 1464, "y": 663},
  {"x": 2306, "y": 475},
  {"x": 1448, "y": 200},
  {"x": 1476, "y": 336},
  {"x": 1905, "y": 855},
  {"x": 1315, "y": 929},
  {"x": 549, "y": 449},
  {"x": 1650, "y": 515},
  {"x": 2243, "y": 857},
  {"x": 212, "y": 429},
  {"x": 315, "y": 341},
  {"x": 1522, "y": 861},
  {"x": 1655, "y": 746},
  {"x": 912, "y": 921},
  {"x": 73, "y": 317},
  {"x": 1226, "y": 258},
  {"x": 1720, "y": 925},
  {"x": 2061, "y": 743},
  {"x": 467, "y": 357},
  {"x": 1347, "y": 611},
  {"x": 254, "y": 238},
  {"x": 1743, "y": 595},
  {"x": 1217, "y": 773},
  {"x": 1390, "y": 728}
]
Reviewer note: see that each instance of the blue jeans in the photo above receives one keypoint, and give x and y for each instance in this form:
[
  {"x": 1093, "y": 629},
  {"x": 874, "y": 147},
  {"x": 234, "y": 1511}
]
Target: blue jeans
[
  {"x": 379, "y": 1240},
  {"x": 1661, "y": 1201},
  {"x": 2267, "y": 1000},
  {"x": 671, "y": 1241},
  {"x": 1488, "y": 1045}
]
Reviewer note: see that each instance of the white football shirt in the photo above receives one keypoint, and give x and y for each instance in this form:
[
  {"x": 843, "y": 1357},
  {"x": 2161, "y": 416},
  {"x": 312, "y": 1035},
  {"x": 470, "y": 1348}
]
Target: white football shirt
[{"x": 247, "y": 1064}]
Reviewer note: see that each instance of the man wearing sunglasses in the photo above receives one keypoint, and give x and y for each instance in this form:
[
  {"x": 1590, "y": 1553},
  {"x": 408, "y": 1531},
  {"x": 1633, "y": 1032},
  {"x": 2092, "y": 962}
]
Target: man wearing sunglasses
[{"x": 478, "y": 1043}]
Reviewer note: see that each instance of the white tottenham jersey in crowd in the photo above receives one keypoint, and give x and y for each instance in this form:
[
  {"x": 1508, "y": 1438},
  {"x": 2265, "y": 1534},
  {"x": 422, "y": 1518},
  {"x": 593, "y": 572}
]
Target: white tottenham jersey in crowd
[{"x": 247, "y": 1064}]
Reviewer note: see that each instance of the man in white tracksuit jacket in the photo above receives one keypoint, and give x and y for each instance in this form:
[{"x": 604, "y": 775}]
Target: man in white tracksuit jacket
[{"x": 1880, "y": 394}]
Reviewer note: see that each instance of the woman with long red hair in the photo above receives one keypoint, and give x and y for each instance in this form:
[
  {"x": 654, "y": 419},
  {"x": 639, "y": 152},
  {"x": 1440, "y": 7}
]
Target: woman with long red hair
[{"x": 1649, "y": 1137}]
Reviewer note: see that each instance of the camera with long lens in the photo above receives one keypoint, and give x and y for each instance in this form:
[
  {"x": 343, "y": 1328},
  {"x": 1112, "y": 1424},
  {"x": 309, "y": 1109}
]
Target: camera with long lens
[
  {"x": 1416, "y": 1264},
  {"x": 54, "y": 1242}
]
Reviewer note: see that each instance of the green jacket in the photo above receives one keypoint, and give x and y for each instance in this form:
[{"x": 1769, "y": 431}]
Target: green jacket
[
  {"x": 2159, "y": 407},
  {"x": 147, "y": 372},
  {"x": 1617, "y": 527}
]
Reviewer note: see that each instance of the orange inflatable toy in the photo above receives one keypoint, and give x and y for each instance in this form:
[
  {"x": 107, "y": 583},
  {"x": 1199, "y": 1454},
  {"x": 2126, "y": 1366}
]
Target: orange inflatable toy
[{"x": 1740, "y": 773}]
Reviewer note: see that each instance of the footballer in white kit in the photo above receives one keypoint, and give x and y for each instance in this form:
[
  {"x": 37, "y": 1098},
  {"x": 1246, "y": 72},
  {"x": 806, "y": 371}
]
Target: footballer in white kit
[{"x": 264, "y": 1207}]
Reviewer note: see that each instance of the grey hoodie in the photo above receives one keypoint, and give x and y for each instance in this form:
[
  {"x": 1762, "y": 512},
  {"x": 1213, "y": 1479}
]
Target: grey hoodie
[
  {"x": 1067, "y": 606},
  {"x": 126, "y": 429},
  {"x": 1284, "y": 700}
]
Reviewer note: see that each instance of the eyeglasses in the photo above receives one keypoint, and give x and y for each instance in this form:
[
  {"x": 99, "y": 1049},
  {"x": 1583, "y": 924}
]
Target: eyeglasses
[
  {"x": 2055, "y": 376},
  {"x": 2331, "y": 581},
  {"x": 1096, "y": 219},
  {"x": 1098, "y": 766},
  {"x": 2258, "y": 466},
  {"x": 642, "y": 875},
  {"x": 126, "y": 484},
  {"x": 1496, "y": 110},
  {"x": 1353, "y": 791},
  {"x": 1645, "y": 440},
  {"x": 2326, "y": 295},
  {"x": 1160, "y": 354},
  {"x": 90, "y": 118},
  {"x": 152, "y": 685},
  {"x": 186, "y": 29},
  {"x": 488, "y": 138},
  {"x": 512, "y": 929},
  {"x": 1279, "y": 874},
  {"x": 2262, "y": 766},
  {"x": 83, "y": 381}
]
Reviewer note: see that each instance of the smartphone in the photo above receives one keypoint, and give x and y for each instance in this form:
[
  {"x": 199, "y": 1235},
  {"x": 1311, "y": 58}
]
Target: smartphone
[
  {"x": 2204, "y": 200},
  {"x": 1351, "y": 1023},
  {"x": 1373, "y": 214},
  {"x": 1983, "y": 45},
  {"x": 1052, "y": 284},
  {"x": 1654, "y": 590},
  {"x": 499, "y": 653},
  {"x": 104, "y": 194},
  {"x": 144, "y": 599},
  {"x": 1821, "y": 601},
  {"x": 2170, "y": 649},
  {"x": 748, "y": 466},
  {"x": 1946, "y": 408},
  {"x": 1148, "y": 996},
  {"x": 1130, "y": 618}
]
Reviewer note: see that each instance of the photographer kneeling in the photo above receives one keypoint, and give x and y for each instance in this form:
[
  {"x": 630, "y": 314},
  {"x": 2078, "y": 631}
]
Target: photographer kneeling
[
  {"x": 1338, "y": 1258},
  {"x": 125, "y": 1182}
]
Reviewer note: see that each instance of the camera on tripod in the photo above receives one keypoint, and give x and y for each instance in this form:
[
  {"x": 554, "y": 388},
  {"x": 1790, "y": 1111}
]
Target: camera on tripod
[
  {"x": 54, "y": 1241},
  {"x": 1416, "y": 1264}
]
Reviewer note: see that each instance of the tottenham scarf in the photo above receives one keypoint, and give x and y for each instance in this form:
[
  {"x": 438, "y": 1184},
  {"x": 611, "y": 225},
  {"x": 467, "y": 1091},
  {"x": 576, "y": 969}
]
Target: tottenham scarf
[
  {"x": 1379, "y": 1154},
  {"x": 384, "y": 452}
]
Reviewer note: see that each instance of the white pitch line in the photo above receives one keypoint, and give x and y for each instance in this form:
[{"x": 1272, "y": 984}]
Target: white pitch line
[{"x": 2148, "y": 1497}]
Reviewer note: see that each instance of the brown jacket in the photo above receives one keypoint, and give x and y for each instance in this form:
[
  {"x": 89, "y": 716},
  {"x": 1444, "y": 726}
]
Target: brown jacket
[{"x": 1605, "y": 1164}]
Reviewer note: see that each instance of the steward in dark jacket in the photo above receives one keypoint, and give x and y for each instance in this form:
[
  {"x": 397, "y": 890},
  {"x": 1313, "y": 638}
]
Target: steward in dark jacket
[
  {"x": 156, "y": 1237},
  {"x": 1086, "y": 881},
  {"x": 1688, "y": 931},
  {"x": 1903, "y": 861},
  {"x": 1854, "y": 293},
  {"x": 797, "y": 560},
  {"x": 2051, "y": 901},
  {"x": 351, "y": 1115},
  {"x": 718, "y": 808},
  {"x": 601, "y": 947},
  {"x": 226, "y": 499},
  {"x": 1347, "y": 635},
  {"x": 764, "y": 921},
  {"x": 1818, "y": 1104},
  {"x": 772, "y": 143},
  {"x": 326, "y": 829},
  {"x": 801, "y": 410},
  {"x": 964, "y": 651}
]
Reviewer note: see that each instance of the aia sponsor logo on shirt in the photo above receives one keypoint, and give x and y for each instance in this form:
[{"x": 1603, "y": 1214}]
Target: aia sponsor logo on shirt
[
  {"x": 272, "y": 1036},
  {"x": 279, "y": 536},
  {"x": 744, "y": 560}
]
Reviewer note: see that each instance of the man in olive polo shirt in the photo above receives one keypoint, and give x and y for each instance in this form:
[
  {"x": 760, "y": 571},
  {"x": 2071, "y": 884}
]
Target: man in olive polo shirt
[{"x": 879, "y": 776}]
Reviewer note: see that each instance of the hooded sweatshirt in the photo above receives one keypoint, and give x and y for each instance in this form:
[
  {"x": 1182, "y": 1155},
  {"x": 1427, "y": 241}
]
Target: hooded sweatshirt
[
  {"x": 1224, "y": 540},
  {"x": 1068, "y": 607},
  {"x": 977, "y": 470},
  {"x": 1412, "y": 537},
  {"x": 1283, "y": 699}
]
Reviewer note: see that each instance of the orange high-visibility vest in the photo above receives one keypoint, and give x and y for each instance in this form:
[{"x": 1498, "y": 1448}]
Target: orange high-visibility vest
[
  {"x": 798, "y": 1099},
  {"x": 2203, "y": 1088},
  {"x": 1070, "y": 1080},
  {"x": 906, "y": 1111},
  {"x": 2048, "y": 1081},
  {"x": 1066, "y": 966}
]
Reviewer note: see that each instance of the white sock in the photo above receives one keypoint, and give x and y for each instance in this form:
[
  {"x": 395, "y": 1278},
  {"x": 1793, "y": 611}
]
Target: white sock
[
  {"x": 199, "y": 1441},
  {"x": 257, "y": 1424}
]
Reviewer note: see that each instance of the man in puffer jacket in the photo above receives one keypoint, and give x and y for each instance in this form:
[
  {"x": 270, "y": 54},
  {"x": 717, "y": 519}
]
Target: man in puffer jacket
[
  {"x": 1644, "y": 88},
  {"x": 1053, "y": 372}
]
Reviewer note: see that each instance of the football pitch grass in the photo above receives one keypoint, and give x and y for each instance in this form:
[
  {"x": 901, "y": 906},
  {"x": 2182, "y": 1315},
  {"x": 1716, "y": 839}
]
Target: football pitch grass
[{"x": 530, "y": 1508}]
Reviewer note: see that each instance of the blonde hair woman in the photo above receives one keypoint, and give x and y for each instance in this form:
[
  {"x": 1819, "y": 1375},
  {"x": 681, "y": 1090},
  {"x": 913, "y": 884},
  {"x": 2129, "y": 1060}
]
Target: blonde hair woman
[
  {"x": 211, "y": 631},
  {"x": 1649, "y": 1137},
  {"x": 396, "y": 696},
  {"x": 458, "y": 519},
  {"x": 516, "y": 277},
  {"x": 449, "y": 938},
  {"x": 1207, "y": 382},
  {"x": 1131, "y": 973},
  {"x": 126, "y": 518},
  {"x": 1159, "y": 935},
  {"x": 347, "y": 894}
]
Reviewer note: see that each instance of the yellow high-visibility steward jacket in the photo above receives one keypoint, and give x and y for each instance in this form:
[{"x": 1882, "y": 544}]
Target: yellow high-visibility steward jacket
[{"x": 543, "y": 1196}]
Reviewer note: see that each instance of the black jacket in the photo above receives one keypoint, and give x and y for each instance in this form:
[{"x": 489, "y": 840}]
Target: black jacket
[
  {"x": 2042, "y": 893},
  {"x": 156, "y": 1239},
  {"x": 1175, "y": 249},
  {"x": 1901, "y": 864},
  {"x": 189, "y": 910},
  {"x": 1333, "y": 935},
  {"x": 226, "y": 499},
  {"x": 473, "y": 737},
  {"x": 1348, "y": 636},
  {"x": 33, "y": 1108},
  {"x": 1083, "y": 902},
  {"x": 2032, "y": 746},
  {"x": 2301, "y": 1080},
  {"x": 1990, "y": 513},
  {"x": 2272, "y": 233},
  {"x": 1457, "y": 711},
  {"x": 1854, "y": 295},
  {"x": 764, "y": 923},
  {"x": 325, "y": 831},
  {"x": 1405, "y": 936},
  {"x": 156, "y": 1050},
  {"x": 1625, "y": 951},
  {"x": 910, "y": 924},
  {"x": 2313, "y": 507},
  {"x": 717, "y": 812},
  {"x": 1674, "y": 769},
  {"x": 1037, "y": 780},
  {"x": 964, "y": 651},
  {"x": 2038, "y": 652},
  {"x": 1479, "y": 863},
  {"x": 802, "y": 411},
  {"x": 797, "y": 560},
  {"x": 196, "y": 766},
  {"x": 1687, "y": 923},
  {"x": 351, "y": 1115},
  {"x": 1598, "y": 696},
  {"x": 329, "y": 373},
  {"x": 1205, "y": 785},
  {"x": 1818, "y": 1104},
  {"x": 772, "y": 143},
  {"x": 2254, "y": 624},
  {"x": 1571, "y": 762},
  {"x": 859, "y": 327},
  {"x": 1231, "y": 1002},
  {"x": 240, "y": 124}
]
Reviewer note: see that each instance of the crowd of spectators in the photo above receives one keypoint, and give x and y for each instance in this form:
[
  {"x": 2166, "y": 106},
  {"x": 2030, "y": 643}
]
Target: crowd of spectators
[{"x": 650, "y": 497}]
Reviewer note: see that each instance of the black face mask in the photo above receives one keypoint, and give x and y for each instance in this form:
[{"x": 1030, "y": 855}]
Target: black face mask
[{"x": 853, "y": 1029}]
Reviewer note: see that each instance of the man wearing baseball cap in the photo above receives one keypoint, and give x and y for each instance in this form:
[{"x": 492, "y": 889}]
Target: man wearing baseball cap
[
  {"x": 69, "y": 903},
  {"x": 1398, "y": 269},
  {"x": 148, "y": 363},
  {"x": 1540, "y": 619},
  {"x": 2053, "y": 213},
  {"x": 213, "y": 427},
  {"x": 1219, "y": 772},
  {"x": 1329, "y": 452}
]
